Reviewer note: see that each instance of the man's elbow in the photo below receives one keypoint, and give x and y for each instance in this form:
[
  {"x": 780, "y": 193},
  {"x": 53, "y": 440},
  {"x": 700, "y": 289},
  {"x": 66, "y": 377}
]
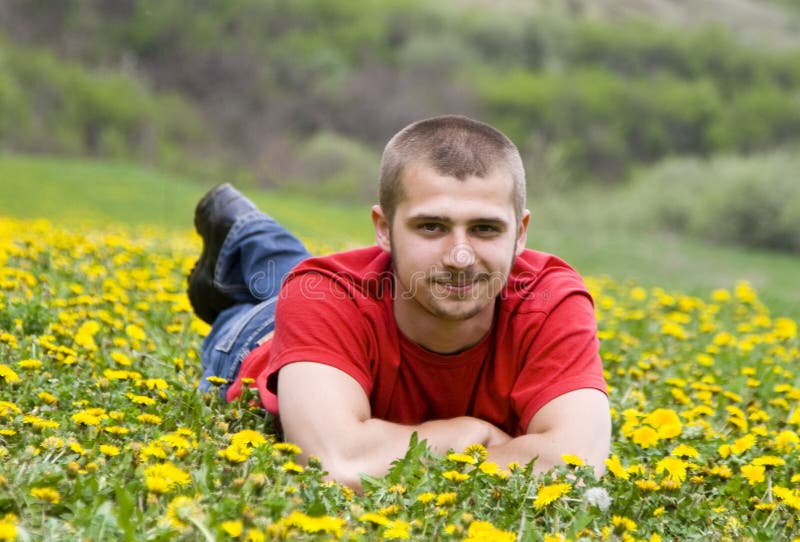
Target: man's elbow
[{"x": 342, "y": 470}]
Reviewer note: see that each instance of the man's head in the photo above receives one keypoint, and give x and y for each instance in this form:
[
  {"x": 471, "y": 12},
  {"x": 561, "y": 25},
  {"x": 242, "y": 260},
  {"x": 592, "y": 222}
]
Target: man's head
[
  {"x": 452, "y": 217},
  {"x": 453, "y": 146}
]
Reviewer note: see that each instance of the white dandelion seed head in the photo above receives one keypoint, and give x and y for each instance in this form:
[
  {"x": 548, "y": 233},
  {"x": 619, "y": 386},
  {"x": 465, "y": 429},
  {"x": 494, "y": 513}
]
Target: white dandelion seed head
[{"x": 599, "y": 497}]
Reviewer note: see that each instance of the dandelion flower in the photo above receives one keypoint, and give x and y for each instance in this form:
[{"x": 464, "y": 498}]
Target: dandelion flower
[
  {"x": 477, "y": 450},
  {"x": 550, "y": 493},
  {"x": 291, "y": 466},
  {"x": 164, "y": 477},
  {"x": 753, "y": 473},
  {"x": 645, "y": 437},
  {"x": 571, "y": 459},
  {"x": 480, "y": 531},
  {"x": 8, "y": 374},
  {"x": 109, "y": 450},
  {"x": 455, "y": 476},
  {"x": 46, "y": 494},
  {"x": 397, "y": 530},
  {"x": 674, "y": 467},
  {"x": 232, "y": 528},
  {"x": 312, "y": 525},
  {"x": 462, "y": 458},
  {"x": 32, "y": 364},
  {"x": 288, "y": 447},
  {"x": 8, "y": 527}
]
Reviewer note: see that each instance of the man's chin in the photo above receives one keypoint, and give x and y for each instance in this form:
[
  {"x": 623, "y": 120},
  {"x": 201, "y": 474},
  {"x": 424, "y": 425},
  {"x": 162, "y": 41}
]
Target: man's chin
[{"x": 456, "y": 311}]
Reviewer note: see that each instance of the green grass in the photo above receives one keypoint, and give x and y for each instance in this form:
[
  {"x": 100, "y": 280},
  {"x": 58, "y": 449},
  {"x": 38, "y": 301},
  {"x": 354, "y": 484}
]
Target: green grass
[{"x": 578, "y": 230}]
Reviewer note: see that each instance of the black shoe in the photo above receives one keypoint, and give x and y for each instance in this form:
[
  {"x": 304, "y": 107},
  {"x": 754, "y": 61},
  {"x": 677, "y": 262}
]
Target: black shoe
[{"x": 213, "y": 218}]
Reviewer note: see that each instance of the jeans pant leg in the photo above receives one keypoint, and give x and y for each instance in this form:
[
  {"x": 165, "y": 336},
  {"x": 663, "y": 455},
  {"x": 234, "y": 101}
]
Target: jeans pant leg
[{"x": 256, "y": 256}]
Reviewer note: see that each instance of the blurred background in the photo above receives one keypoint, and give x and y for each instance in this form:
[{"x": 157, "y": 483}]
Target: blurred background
[{"x": 660, "y": 137}]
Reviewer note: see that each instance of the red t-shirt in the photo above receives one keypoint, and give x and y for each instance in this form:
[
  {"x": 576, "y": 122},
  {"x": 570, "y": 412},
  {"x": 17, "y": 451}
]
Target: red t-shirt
[{"x": 337, "y": 310}]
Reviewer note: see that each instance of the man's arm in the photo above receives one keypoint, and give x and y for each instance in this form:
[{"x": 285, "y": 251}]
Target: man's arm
[
  {"x": 326, "y": 412},
  {"x": 577, "y": 422}
]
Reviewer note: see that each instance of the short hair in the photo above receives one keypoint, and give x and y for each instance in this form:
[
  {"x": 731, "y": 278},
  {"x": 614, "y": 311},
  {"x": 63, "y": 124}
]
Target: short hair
[{"x": 455, "y": 146}]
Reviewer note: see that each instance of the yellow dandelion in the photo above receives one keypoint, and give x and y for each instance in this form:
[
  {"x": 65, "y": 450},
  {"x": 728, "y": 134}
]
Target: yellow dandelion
[
  {"x": 443, "y": 499},
  {"x": 8, "y": 374},
  {"x": 769, "y": 461},
  {"x": 455, "y": 476},
  {"x": 312, "y": 525},
  {"x": 753, "y": 473},
  {"x": 182, "y": 511},
  {"x": 48, "y": 398},
  {"x": 109, "y": 450},
  {"x": 483, "y": 531},
  {"x": 684, "y": 450},
  {"x": 236, "y": 453},
  {"x": 288, "y": 447},
  {"x": 549, "y": 494},
  {"x": 372, "y": 517},
  {"x": 645, "y": 437},
  {"x": 46, "y": 494},
  {"x": 232, "y": 528},
  {"x": 248, "y": 437},
  {"x": 674, "y": 467},
  {"x": 426, "y": 497},
  {"x": 397, "y": 530},
  {"x": 8, "y": 527},
  {"x": 646, "y": 485},
  {"x": 462, "y": 458},
  {"x": 291, "y": 466},
  {"x": 489, "y": 467},
  {"x": 573, "y": 460},
  {"x": 135, "y": 332},
  {"x": 478, "y": 451},
  {"x": 164, "y": 477},
  {"x": 151, "y": 419},
  {"x": 140, "y": 399},
  {"x": 623, "y": 523},
  {"x": 31, "y": 364}
]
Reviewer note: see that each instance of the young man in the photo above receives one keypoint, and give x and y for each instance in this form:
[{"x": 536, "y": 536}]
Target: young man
[{"x": 449, "y": 327}]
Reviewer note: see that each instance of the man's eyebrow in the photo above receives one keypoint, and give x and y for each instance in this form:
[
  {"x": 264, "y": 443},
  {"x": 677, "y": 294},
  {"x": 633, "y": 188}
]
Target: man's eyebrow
[
  {"x": 428, "y": 218},
  {"x": 440, "y": 218}
]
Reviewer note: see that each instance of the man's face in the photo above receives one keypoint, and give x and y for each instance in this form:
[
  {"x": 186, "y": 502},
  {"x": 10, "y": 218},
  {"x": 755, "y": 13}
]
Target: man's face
[{"x": 452, "y": 242}]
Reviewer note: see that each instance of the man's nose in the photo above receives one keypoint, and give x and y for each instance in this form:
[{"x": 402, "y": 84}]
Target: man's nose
[{"x": 459, "y": 256}]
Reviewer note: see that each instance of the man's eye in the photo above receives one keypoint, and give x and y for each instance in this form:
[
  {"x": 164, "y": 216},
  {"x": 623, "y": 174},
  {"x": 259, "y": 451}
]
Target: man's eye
[
  {"x": 485, "y": 229},
  {"x": 430, "y": 227}
]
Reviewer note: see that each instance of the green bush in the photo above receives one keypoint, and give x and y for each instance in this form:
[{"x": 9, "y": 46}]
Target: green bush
[
  {"x": 753, "y": 201},
  {"x": 48, "y": 105},
  {"x": 334, "y": 166}
]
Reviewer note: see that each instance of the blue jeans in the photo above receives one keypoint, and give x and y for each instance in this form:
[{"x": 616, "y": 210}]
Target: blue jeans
[{"x": 256, "y": 256}]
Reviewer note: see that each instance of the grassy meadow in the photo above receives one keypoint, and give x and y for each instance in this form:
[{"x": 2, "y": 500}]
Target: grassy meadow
[{"x": 103, "y": 436}]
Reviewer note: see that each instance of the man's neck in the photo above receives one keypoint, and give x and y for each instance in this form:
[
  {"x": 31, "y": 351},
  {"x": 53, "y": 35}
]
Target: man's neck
[{"x": 442, "y": 336}]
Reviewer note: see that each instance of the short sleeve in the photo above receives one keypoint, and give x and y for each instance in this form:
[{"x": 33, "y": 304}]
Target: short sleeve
[
  {"x": 319, "y": 320},
  {"x": 562, "y": 356}
]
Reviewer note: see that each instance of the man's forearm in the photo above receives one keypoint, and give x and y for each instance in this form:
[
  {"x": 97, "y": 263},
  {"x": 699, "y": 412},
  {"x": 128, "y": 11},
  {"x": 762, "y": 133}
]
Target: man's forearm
[
  {"x": 374, "y": 444},
  {"x": 548, "y": 451}
]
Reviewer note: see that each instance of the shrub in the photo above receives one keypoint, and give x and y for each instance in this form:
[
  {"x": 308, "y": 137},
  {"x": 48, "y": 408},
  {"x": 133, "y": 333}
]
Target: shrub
[{"x": 751, "y": 201}]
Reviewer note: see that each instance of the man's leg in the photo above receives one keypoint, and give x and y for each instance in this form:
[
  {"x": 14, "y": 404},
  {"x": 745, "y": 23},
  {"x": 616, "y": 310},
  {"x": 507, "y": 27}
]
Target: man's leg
[{"x": 236, "y": 281}]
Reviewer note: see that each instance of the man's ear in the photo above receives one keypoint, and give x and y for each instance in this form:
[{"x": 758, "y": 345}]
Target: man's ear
[
  {"x": 382, "y": 236},
  {"x": 522, "y": 232}
]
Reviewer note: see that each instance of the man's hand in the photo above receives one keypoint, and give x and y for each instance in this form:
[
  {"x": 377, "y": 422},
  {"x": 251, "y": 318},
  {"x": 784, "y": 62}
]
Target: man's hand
[{"x": 326, "y": 412}]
